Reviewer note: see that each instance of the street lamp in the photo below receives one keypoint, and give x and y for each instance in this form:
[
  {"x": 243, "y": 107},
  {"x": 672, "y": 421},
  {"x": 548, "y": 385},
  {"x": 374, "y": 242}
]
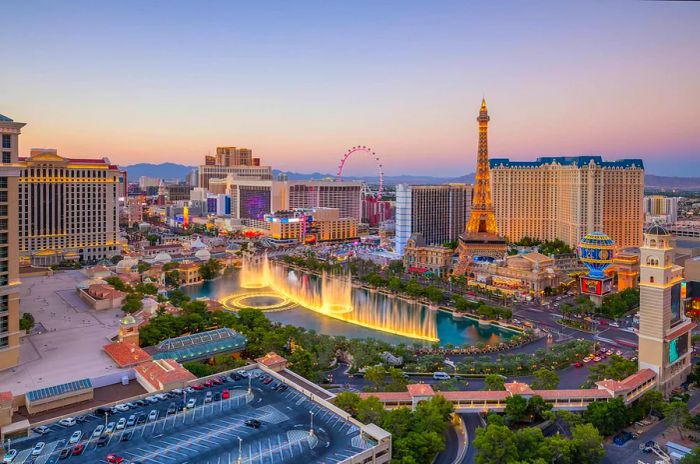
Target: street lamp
[
  {"x": 250, "y": 386},
  {"x": 240, "y": 450},
  {"x": 311, "y": 430}
]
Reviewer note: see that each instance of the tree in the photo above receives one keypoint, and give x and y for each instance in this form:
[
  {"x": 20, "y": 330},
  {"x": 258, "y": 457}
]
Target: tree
[
  {"x": 607, "y": 416},
  {"x": 676, "y": 415},
  {"x": 172, "y": 278},
  {"x": 116, "y": 258},
  {"x": 302, "y": 362},
  {"x": 617, "y": 369},
  {"x": 516, "y": 409},
  {"x": 152, "y": 239},
  {"x": 414, "y": 289},
  {"x": 143, "y": 267},
  {"x": 132, "y": 303},
  {"x": 370, "y": 410},
  {"x": 495, "y": 445},
  {"x": 396, "y": 267},
  {"x": 537, "y": 408},
  {"x": 530, "y": 444},
  {"x": 693, "y": 457},
  {"x": 545, "y": 379},
  {"x": 494, "y": 382},
  {"x": 347, "y": 401},
  {"x": 417, "y": 447},
  {"x": 394, "y": 284},
  {"x": 376, "y": 375},
  {"x": 26, "y": 323},
  {"x": 588, "y": 444},
  {"x": 651, "y": 401},
  {"x": 118, "y": 284},
  {"x": 210, "y": 269}
]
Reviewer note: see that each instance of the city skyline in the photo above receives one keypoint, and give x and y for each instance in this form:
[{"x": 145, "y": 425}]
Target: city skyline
[{"x": 135, "y": 84}]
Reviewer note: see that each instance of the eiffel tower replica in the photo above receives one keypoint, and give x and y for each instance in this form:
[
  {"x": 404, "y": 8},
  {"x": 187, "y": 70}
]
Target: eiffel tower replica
[{"x": 480, "y": 238}]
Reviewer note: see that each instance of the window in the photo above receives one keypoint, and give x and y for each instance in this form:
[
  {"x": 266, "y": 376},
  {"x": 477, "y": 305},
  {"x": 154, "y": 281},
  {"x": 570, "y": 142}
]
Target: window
[
  {"x": 6, "y": 157},
  {"x": 6, "y": 141}
]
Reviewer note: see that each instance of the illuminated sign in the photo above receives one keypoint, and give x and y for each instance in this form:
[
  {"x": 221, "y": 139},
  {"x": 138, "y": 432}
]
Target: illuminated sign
[
  {"x": 591, "y": 286},
  {"x": 677, "y": 348}
]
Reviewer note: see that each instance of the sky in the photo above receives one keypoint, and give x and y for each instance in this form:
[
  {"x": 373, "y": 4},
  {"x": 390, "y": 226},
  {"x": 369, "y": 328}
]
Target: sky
[{"x": 301, "y": 82}]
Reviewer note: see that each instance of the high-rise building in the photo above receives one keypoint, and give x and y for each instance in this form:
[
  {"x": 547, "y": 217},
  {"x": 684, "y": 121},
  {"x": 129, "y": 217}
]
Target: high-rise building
[
  {"x": 664, "y": 330},
  {"x": 658, "y": 208},
  {"x": 438, "y": 213},
  {"x": 238, "y": 162},
  {"x": 346, "y": 196},
  {"x": 481, "y": 237},
  {"x": 9, "y": 258},
  {"x": 568, "y": 197},
  {"x": 68, "y": 208}
]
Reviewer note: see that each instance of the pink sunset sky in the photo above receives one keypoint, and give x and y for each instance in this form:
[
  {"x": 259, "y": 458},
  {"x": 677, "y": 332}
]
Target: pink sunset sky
[{"x": 299, "y": 83}]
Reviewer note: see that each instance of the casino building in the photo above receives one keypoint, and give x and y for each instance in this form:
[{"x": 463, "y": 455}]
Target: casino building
[
  {"x": 568, "y": 197},
  {"x": 68, "y": 208}
]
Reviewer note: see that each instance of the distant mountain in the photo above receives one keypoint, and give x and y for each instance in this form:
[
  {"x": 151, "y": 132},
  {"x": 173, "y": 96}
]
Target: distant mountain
[
  {"x": 179, "y": 171},
  {"x": 669, "y": 183},
  {"x": 159, "y": 171}
]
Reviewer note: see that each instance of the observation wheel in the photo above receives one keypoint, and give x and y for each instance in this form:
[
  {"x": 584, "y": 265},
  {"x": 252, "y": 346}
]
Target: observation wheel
[{"x": 368, "y": 151}]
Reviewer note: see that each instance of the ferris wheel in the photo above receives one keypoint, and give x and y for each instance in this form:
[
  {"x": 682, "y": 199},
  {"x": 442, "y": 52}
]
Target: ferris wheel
[{"x": 373, "y": 156}]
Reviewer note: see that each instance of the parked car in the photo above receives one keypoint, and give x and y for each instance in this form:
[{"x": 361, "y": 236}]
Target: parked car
[
  {"x": 98, "y": 431},
  {"x": 190, "y": 390},
  {"x": 9, "y": 456},
  {"x": 141, "y": 419},
  {"x": 102, "y": 411},
  {"x": 283, "y": 387},
  {"x": 102, "y": 441},
  {"x": 172, "y": 408},
  {"x": 75, "y": 438},
  {"x": 141, "y": 402},
  {"x": 110, "y": 427},
  {"x": 198, "y": 387},
  {"x": 126, "y": 436},
  {"x": 38, "y": 448},
  {"x": 209, "y": 384},
  {"x": 622, "y": 438},
  {"x": 153, "y": 415},
  {"x": 225, "y": 394},
  {"x": 78, "y": 449},
  {"x": 578, "y": 364},
  {"x": 253, "y": 423},
  {"x": 441, "y": 376},
  {"x": 191, "y": 403},
  {"x": 236, "y": 376},
  {"x": 65, "y": 452},
  {"x": 81, "y": 419},
  {"x": 131, "y": 421},
  {"x": 68, "y": 422},
  {"x": 217, "y": 396},
  {"x": 121, "y": 424},
  {"x": 42, "y": 430},
  {"x": 114, "y": 459},
  {"x": 151, "y": 399},
  {"x": 267, "y": 380},
  {"x": 207, "y": 397},
  {"x": 122, "y": 407},
  {"x": 178, "y": 391}
]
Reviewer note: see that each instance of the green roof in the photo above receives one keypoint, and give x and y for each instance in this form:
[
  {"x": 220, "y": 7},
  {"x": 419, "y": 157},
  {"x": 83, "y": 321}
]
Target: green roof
[{"x": 201, "y": 345}]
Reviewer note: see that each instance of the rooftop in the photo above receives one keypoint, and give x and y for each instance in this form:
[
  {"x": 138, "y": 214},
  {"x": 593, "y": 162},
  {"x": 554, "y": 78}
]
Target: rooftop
[
  {"x": 577, "y": 161},
  {"x": 58, "y": 390},
  {"x": 200, "y": 345},
  {"x": 126, "y": 354}
]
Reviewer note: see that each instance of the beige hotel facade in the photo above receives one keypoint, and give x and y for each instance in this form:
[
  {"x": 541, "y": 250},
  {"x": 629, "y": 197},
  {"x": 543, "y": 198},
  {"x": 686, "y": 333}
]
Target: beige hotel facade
[{"x": 567, "y": 197}]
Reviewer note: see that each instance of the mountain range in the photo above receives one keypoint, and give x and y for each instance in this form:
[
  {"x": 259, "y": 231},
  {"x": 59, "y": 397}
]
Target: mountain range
[{"x": 179, "y": 171}]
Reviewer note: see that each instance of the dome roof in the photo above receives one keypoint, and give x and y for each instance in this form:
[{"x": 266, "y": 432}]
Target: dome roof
[
  {"x": 202, "y": 254},
  {"x": 163, "y": 257},
  {"x": 128, "y": 320},
  {"x": 656, "y": 230},
  {"x": 126, "y": 264},
  {"x": 197, "y": 243}
]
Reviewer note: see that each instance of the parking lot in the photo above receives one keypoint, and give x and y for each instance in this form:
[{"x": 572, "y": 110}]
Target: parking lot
[{"x": 211, "y": 431}]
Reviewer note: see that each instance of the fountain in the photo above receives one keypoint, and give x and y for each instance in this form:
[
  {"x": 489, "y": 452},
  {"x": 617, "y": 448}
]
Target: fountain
[{"x": 332, "y": 296}]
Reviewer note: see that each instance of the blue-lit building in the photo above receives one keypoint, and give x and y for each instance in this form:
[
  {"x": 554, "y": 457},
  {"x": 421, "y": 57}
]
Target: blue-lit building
[{"x": 568, "y": 197}]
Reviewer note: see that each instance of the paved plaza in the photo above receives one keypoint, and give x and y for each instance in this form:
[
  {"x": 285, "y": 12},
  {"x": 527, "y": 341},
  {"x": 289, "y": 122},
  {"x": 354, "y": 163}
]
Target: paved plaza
[{"x": 67, "y": 343}]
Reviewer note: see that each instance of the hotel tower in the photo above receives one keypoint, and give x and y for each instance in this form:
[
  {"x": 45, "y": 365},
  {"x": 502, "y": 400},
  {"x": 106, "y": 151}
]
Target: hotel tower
[{"x": 664, "y": 330}]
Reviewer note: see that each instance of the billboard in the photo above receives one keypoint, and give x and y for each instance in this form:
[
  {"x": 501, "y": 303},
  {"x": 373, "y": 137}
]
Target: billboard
[
  {"x": 677, "y": 348},
  {"x": 594, "y": 286}
]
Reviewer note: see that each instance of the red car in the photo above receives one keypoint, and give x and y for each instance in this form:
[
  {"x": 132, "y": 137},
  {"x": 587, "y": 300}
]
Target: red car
[
  {"x": 225, "y": 395},
  {"x": 198, "y": 387},
  {"x": 578, "y": 364},
  {"x": 114, "y": 459},
  {"x": 208, "y": 384},
  {"x": 78, "y": 449},
  {"x": 217, "y": 381}
]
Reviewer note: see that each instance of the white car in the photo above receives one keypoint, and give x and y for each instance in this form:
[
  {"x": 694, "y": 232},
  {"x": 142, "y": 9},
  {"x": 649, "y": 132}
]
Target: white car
[
  {"x": 151, "y": 399},
  {"x": 153, "y": 415},
  {"x": 10, "y": 456},
  {"x": 207, "y": 397},
  {"x": 38, "y": 448},
  {"x": 190, "y": 390},
  {"x": 121, "y": 407},
  {"x": 98, "y": 431},
  {"x": 75, "y": 438},
  {"x": 121, "y": 424},
  {"x": 110, "y": 427},
  {"x": 191, "y": 403},
  {"x": 68, "y": 422},
  {"x": 177, "y": 391},
  {"x": 161, "y": 396}
]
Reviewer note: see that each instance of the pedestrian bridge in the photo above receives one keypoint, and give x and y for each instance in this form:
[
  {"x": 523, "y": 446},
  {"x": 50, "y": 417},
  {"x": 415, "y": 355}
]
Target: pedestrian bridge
[{"x": 628, "y": 389}]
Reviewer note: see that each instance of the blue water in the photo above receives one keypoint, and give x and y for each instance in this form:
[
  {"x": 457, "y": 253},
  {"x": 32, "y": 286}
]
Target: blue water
[{"x": 457, "y": 331}]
